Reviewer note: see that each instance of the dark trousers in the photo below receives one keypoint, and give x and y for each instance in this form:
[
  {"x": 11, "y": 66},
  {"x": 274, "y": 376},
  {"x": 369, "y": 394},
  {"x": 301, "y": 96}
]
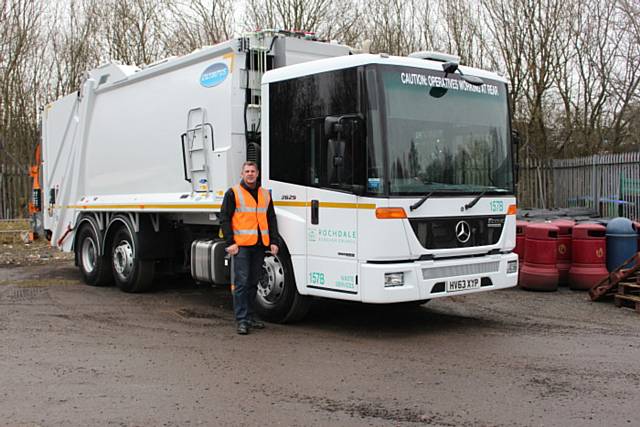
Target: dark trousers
[{"x": 247, "y": 270}]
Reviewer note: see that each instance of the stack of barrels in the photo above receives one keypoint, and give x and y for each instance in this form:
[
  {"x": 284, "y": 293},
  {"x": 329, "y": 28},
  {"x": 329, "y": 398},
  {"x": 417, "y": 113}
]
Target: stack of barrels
[{"x": 561, "y": 252}]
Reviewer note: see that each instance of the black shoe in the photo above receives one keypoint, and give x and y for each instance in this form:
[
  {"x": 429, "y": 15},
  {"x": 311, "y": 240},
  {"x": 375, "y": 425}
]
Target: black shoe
[
  {"x": 255, "y": 324},
  {"x": 242, "y": 329}
]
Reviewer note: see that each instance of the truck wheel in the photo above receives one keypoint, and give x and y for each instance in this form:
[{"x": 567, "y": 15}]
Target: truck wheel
[
  {"x": 94, "y": 268},
  {"x": 277, "y": 299},
  {"x": 130, "y": 272}
]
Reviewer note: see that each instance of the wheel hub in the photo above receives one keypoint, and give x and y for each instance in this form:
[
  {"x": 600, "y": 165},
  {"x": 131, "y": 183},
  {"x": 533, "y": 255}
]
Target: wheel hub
[
  {"x": 123, "y": 259},
  {"x": 89, "y": 255},
  {"x": 271, "y": 285}
]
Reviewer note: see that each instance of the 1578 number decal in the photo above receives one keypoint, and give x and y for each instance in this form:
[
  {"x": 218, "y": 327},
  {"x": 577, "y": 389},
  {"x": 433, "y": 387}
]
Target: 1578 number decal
[{"x": 316, "y": 278}]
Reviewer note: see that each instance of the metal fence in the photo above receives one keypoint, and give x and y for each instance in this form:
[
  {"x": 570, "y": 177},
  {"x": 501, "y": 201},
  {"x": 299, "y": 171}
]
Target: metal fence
[
  {"x": 609, "y": 184},
  {"x": 15, "y": 190}
]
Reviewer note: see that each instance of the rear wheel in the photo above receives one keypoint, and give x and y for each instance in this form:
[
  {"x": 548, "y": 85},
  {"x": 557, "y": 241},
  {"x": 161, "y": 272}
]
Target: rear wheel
[
  {"x": 131, "y": 273},
  {"x": 94, "y": 268},
  {"x": 277, "y": 299}
]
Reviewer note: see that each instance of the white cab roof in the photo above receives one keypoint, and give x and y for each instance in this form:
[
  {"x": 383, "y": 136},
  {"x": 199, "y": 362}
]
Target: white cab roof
[{"x": 340, "y": 62}]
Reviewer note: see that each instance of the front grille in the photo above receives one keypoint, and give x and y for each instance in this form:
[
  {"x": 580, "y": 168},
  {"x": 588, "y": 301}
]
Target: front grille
[
  {"x": 461, "y": 270},
  {"x": 440, "y": 233}
]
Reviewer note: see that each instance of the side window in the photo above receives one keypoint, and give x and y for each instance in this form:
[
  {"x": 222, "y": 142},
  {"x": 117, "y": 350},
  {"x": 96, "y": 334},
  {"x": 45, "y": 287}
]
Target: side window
[
  {"x": 300, "y": 153},
  {"x": 375, "y": 163},
  {"x": 287, "y": 130}
]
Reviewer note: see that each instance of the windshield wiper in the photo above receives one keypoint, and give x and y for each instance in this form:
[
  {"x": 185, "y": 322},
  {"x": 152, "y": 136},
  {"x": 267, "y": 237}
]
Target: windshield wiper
[
  {"x": 476, "y": 200},
  {"x": 419, "y": 203}
]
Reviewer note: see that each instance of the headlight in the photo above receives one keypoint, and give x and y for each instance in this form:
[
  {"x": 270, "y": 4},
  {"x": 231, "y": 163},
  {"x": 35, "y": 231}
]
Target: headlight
[
  {"x": 512, "y": 267},
  {"x": 393, "y": 279}
]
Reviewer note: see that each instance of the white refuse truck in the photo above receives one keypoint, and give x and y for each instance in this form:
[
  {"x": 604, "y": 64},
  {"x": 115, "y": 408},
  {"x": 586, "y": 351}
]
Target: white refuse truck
[{"x": 392, "y": 177}]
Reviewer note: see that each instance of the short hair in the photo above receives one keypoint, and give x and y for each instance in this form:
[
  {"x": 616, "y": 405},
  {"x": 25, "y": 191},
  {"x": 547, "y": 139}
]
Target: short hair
[{"x": 250, "y": 163}]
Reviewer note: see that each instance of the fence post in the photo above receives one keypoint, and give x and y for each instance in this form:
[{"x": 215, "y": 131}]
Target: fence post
[{"x": 2, "y": 201}]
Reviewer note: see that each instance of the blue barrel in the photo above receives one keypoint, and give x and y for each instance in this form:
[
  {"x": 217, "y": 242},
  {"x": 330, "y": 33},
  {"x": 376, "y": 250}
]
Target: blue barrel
[{"x": 622, "y": 242}]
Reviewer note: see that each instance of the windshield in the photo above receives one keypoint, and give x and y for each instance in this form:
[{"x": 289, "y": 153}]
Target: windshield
[{"x": 443, "y": 134}]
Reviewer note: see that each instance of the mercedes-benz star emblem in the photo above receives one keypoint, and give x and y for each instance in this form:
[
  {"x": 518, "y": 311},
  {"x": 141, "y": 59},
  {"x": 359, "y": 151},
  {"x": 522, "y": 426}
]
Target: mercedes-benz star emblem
[{"x": 463, "y": 231}]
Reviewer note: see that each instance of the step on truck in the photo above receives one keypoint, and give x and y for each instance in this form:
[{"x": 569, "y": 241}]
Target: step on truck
[{"x": 392, "y": 177}]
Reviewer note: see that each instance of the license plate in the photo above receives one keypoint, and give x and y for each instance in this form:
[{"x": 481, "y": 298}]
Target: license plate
[{"x": 456, "y": 285}]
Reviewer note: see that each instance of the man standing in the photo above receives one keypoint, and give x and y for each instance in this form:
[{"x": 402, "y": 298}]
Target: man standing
[{"x": 249, "y": 226}]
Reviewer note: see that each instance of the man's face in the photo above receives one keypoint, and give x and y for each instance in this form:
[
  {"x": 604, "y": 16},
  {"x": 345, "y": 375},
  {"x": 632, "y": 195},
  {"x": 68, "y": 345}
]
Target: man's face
[{"x": 250, "y": 175}]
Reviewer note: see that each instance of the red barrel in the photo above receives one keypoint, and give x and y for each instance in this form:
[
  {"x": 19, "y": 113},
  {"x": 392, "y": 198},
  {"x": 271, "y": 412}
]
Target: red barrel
[
  {"x": 565, "y": 227},
  {"x": 540, "y": 270},
  {"x": 589, "y": 256},
  {"x": 521, "y": 227}
]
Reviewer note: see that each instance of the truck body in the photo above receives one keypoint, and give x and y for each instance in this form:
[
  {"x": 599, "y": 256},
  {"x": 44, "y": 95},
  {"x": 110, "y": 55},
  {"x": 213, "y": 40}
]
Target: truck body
[{"x": 392, "y": 177}]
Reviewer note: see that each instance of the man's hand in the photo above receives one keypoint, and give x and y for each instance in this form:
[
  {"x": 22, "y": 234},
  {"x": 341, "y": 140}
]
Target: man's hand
[
  {"x": 233, "y": 249},
  {"x": 274, "y": 249}
]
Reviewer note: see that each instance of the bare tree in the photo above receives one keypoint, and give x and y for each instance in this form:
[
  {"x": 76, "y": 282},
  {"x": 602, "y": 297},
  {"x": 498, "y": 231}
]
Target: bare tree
[
  {"x": 74, "y": 41},
  {"x": 20, "y": 40},
  {"x": 528, "y": 35},
  {"x": 289, "y": 14},
  {"x": 329, "y": 19},
  {"x": 198, "y": 23},
  {"x": 505, "y": 24},
  {"x": 392, "y": 26},
  {"x": 134, "y": 30},
  {"x": 626, "y": 80},
  {"x": 461, "y": 32}
]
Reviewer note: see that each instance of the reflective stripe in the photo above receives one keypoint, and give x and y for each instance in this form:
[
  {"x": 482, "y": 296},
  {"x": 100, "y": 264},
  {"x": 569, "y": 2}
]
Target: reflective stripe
[
  {"x": 245, "y": 231},
  {"x": 267, "y": 195},
  {"x": 251, "y": 209},
  {"x": 243, "y": 205},
  {"x": 238, "y": 191}
]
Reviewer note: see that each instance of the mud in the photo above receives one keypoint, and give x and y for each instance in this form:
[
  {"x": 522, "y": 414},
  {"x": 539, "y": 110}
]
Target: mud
[{"x": 78, "y": 355}]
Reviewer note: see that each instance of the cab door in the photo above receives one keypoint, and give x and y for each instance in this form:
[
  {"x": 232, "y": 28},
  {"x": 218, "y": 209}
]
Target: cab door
[{"x": 333, "y": 146}]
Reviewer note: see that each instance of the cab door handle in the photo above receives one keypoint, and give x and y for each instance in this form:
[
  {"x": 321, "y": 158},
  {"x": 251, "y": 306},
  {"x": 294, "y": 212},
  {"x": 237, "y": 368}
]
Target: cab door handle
[{"x": 315, "y": 212}]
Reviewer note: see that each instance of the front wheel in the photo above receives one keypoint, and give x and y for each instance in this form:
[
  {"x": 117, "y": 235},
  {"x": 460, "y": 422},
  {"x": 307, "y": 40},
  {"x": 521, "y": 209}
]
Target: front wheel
[
  {"x": 130, "y": 272},
  {"x": 277, "y": 299}
]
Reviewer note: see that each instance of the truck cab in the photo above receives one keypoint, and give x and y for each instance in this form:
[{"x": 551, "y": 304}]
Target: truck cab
[{"x": 392, "y": 178}]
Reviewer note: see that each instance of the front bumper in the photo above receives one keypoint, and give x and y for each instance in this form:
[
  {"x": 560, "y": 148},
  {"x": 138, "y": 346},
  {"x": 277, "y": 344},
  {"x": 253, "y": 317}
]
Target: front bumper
[{"x": 427, "y": 279}]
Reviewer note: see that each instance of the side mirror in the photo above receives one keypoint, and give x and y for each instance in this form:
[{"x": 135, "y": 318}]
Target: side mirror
[
  {"x": 516, "y": 140},
  {"x": 337, "y": 147},
  {"x": 515, "y": 137},
  {"x": 332, "y": 126},
  {"x": 358, "y": 189}
]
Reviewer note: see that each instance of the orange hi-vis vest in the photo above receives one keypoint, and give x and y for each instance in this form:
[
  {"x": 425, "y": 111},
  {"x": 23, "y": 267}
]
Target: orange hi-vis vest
[{"x": 249, "y": 216}]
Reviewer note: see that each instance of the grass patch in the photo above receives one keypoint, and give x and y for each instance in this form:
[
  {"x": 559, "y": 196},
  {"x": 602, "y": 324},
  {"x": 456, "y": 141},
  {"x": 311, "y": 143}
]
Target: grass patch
[{"x": 14, "y": 224}]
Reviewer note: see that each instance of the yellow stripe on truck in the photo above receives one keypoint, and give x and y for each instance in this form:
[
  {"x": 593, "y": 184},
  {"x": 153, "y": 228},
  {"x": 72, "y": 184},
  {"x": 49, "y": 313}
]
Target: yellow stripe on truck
[
  {"x": 146, "y": 206},
  {"x": 336, "y": 205}
]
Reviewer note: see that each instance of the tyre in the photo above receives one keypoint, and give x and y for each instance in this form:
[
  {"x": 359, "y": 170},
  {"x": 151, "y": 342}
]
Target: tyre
[
  {"x": 131, "y": 274},
  {"x": 277, "y": 299},
  {"x": 95, "y": 269}
]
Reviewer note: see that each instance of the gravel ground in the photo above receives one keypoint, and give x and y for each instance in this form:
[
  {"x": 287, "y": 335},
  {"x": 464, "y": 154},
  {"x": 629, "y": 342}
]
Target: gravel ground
[
  {"x": 78, "y": 355},
  {"x": 39, "y": 252}
]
